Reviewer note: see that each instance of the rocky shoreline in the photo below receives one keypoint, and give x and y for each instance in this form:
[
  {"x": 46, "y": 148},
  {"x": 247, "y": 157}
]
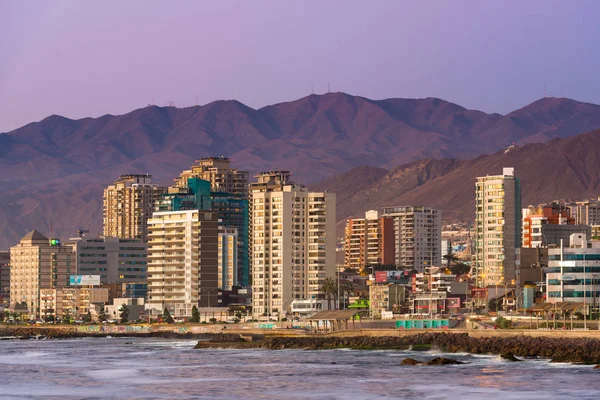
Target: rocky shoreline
[
  {"x": 576, "y": 350},
  {"x": 29, "y": 333}
]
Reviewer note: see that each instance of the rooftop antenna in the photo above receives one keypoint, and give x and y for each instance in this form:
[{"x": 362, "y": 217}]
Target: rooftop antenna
[
  {"x": 196, "y": 99},
  {"x": 328, "y": 91},
  {"x": 312, "y": 88},
  {"x": 545, "y": 92}
]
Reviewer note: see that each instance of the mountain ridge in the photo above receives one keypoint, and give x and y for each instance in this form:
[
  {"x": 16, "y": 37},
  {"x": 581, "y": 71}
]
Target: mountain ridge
[{"x": 55, "y": 169}]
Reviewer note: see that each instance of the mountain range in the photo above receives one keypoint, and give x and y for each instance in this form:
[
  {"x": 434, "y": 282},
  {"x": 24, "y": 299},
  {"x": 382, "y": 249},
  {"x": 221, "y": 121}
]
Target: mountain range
[
  {"x": 53, "y": 171},
  {"x": 560, "y": 169}
]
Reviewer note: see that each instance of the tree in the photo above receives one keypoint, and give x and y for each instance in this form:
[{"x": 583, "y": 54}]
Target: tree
[
  {"x": 329, "y": 289},
  {"x": 195, "y": 315},
  {"x": 102, "y": 315},
  {"x": 124, "y": 313},
  {"x": 87, "y": 317},
  {"x": 450, "y": 259},
  {"x": 213, "y": 320},
  {"x": 460, "y": 268},
  {"x": 167, "y": 316},
  {"x": 347, "y": 290}
]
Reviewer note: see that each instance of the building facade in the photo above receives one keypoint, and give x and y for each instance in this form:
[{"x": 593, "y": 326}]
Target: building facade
[
  {"x": 369, "y": 241},
  {"x": 386, "y": 297},
  {"x": 587, "y": 212},
  {"x": 128, "y": 204},
  {"x": 182, "y": 261},
  {"x": 293, "y": 245},
  {"x": 497, "y": 228},
  {"x": 228, "y": 264},
  {"x": 38, "y": 263},
  {"x": 549, "y": 224},
  {"x": 573, "y": 272},
  {"x": 120, "y": 263},
  {"x": 4, "y": 277},
  {"x": 417, "y": 236}
]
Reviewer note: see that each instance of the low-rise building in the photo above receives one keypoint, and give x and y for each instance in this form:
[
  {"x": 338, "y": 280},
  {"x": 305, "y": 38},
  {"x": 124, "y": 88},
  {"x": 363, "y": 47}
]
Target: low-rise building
[
  {"x": 70, "y": 302},
  {"x": 386, "y": 297},
  {"x": 135, "y": 308}
]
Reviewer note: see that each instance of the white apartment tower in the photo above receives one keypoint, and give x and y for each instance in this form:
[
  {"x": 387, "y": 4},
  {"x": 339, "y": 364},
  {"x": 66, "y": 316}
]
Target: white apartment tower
[
  {"x": 418, "y": 236},
  {"x": 293, "y": 243},
  {"x": 497, "y": 228},
  {"x": 182, "y": 261}
]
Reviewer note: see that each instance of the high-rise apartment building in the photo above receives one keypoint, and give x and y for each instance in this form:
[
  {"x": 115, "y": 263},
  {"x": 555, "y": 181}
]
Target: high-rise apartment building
[
  {"x": 417, "y": 236},
  {"x": 120, "y": 263},
  {"x": 228, "y": 190},
  {"x": 228, "y": 264},
  {"x": 368, "y": 241},
  {"x": 497, "y": 228},
  {"x": 128, "y": 204},
  {"x": 38, "y": 263},
  {"x": 182, "y": 261},
  {"x": 4, "y": 277},
  {"x": 217, "y": 171},
  {"x": 293, "y": 244}
]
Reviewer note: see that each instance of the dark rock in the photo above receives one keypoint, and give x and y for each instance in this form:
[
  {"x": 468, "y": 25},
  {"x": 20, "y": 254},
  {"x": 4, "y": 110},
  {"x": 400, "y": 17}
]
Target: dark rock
[
  {"x": 597, "y": 366},
  {"x": 443, "y": 361},
  {"x": 410, "y": 361},
  {"x": 509, "y": 357}
]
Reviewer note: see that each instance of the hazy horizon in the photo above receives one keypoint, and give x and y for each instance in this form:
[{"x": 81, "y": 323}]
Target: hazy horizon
[{"x": 89, "y": 59}]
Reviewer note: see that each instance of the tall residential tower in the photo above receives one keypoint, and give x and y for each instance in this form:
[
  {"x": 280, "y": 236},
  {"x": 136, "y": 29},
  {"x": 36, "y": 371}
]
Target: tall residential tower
[
  {"x": 418, "y": 236},
  {"x": 293, "y": 244},
  {"x": 128, "y": 204},
  {"x": 497, "y": 228}
]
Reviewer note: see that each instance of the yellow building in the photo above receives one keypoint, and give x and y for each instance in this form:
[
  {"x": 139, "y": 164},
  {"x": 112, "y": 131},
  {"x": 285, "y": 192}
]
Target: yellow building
[
  {"x": 128, "y": 204},
  {"x": 38, "y": 263},
  {"x": 497, "y": 228}
]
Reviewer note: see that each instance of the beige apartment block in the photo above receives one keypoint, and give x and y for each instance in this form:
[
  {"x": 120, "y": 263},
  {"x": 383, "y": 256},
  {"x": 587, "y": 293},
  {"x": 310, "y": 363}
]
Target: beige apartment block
[
  {"x": 293, "y": 243},
  {"x": 369, "y": 241},
  {"x": 128, "y": 204},
  {"x": 182, "y": 261},
  {"x": 418, "y": 236},
  {"x": 73, "y": 302},
  {"x": 497, "y": 228},
  {"x": 218, "y": 171},
  {"x": 38, "y": 263}
]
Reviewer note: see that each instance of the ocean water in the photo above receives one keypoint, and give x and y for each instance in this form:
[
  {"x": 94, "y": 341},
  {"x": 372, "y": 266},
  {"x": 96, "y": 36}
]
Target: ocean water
[{"x": 128, "y": 368}]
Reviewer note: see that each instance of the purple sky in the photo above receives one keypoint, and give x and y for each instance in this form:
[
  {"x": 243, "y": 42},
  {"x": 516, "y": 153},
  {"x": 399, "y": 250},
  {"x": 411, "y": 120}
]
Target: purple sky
[{"x": 82, "y": 58}]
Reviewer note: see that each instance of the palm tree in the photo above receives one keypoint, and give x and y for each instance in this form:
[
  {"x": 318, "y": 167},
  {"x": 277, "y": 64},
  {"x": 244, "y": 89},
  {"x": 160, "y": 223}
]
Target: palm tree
[
  {"x": 329, "y": 289},
  {"x": 347, "y": 289}
]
